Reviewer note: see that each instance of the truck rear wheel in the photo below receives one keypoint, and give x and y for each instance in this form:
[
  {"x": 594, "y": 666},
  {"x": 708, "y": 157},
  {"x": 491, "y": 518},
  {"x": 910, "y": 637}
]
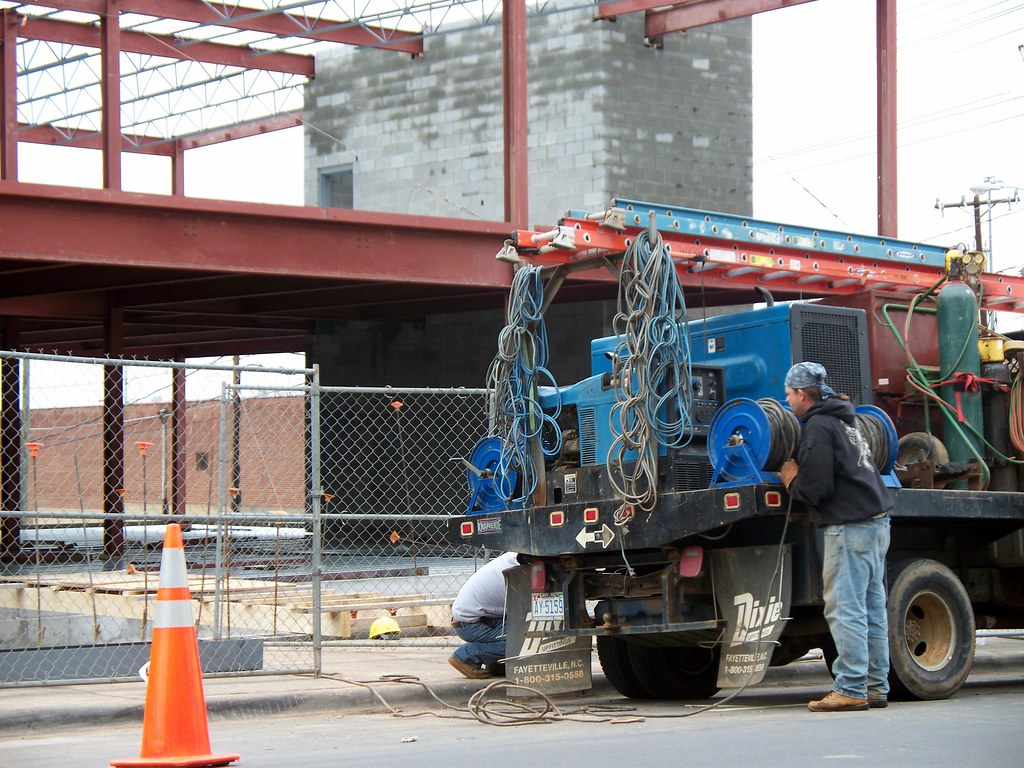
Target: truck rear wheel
[
  {"x": 918, "y": 446},
  {"x": 614, "y": 658},
  {"x": 676, "y": 672},
  {"x": 931, "y": 631}
]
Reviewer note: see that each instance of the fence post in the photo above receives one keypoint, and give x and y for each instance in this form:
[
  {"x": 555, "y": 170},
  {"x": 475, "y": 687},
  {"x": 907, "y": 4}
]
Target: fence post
[
  {"x": 316, "y": 497},
  {"x": 218, "y": 569}
]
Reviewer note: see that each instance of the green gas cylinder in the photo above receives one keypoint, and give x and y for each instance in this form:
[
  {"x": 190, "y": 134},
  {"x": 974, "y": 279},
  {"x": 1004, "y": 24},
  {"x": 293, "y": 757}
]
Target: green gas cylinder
[{"x": 957, "y": 309}]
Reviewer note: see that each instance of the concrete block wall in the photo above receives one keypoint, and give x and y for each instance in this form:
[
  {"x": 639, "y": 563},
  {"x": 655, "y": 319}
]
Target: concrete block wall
[{"x": 608, "y": 115}]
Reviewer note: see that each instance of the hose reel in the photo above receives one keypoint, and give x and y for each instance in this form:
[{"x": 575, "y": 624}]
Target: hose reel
[
  {"x": 489, "y": 478},
  {"x": 749, "y": 440}
]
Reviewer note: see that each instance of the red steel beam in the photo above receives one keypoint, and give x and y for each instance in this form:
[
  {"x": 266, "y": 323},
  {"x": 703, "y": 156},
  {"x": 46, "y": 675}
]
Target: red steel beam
[
  {"x": 697, "y": 13},
  {"x": 158, "y": 145},
  {"x": 89, "y": 226},
  {"x": 110, "y": 87},
  {"x": 241, "y": 130},
  {"x": 71, "y": 33},
  {"x": 277, "y": 23},
  {"x": 47, "y": 134},
  {"x": 514, "y": 105},
  {"x": 885, "y": 51},
  {"x": 177, "y": 169},
  {"x": 8, "y": 98}
]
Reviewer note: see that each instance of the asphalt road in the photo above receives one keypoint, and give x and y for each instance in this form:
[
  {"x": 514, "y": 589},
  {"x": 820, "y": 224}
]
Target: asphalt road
[{"x": 762, "y": 727}]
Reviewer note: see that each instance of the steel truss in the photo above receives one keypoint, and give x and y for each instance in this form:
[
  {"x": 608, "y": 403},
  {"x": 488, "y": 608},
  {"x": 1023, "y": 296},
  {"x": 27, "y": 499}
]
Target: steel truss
[{"x": 191, "y": 68}]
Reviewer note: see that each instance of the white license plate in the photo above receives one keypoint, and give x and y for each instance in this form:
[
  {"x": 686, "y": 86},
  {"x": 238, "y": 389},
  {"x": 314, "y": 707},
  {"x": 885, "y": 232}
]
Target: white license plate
[{"x": 548, "y": 605}]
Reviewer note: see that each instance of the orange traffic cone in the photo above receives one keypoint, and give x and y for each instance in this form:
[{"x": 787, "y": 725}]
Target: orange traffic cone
[{"x": 174, "y": 730}]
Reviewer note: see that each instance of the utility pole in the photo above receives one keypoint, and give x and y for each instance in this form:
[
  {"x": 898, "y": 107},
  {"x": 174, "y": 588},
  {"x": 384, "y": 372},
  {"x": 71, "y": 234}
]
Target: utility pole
[{"x": 987, "y": 187}]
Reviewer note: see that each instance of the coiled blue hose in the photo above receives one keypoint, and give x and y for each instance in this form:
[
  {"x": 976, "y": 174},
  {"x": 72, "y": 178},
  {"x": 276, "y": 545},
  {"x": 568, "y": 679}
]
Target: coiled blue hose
[{"x": 518, "y": 369}]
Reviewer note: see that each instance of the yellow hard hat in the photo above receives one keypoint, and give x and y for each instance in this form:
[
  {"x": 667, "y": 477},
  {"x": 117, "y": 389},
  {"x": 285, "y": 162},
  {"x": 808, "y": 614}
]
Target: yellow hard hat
[{"x": 384, "y": 628}]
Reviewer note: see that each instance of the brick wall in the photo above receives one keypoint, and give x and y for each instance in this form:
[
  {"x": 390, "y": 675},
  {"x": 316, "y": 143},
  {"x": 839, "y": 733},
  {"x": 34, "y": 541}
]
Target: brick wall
[{"x": 272, "y": 447}]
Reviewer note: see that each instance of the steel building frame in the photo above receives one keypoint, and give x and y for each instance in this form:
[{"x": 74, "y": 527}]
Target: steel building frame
[
  {"x": 64, "y": 283},
  {"x": 105, "y": 272}
]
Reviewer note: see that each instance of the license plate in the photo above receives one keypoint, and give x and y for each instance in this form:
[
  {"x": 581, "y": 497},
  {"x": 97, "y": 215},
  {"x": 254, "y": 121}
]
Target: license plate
[{"x": 548, "y": 605}]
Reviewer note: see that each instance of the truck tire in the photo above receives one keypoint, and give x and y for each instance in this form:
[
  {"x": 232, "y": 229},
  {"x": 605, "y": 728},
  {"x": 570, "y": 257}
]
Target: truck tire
[
  {"x": 612, "y": 653},
  {"x": 677, "y": 672},
  {"x": 694, "y": 671},
  {"x": 918, "y": 446},
  {"x": 931, "y": 630}
]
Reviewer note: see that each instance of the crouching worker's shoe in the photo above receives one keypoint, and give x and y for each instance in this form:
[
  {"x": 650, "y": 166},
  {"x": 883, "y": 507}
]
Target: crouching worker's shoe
[
  {"x": 468, "y": 670},
  {"x": 877, "y": 703},
  {"x": 836, "y": 702}
]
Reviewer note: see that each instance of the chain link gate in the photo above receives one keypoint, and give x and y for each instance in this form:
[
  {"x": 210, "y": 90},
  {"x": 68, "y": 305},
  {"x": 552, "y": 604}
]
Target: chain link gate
[
  {"x": 97, "y": 456},
  {"x": 393, "y": 472}
]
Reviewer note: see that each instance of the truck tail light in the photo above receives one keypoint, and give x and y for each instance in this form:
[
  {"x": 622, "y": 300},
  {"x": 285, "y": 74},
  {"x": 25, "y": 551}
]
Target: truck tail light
[
  {"x": 691, "y": 562},
  {"x": 538, "y": 576}
]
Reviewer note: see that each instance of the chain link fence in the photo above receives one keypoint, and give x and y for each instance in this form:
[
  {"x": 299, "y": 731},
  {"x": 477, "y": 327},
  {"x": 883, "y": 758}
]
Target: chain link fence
[{"x": 273, "y": 479}]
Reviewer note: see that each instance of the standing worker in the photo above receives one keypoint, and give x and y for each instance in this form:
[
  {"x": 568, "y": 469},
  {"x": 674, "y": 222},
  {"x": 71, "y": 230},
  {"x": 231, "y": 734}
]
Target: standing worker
[
  {"x": 478, "y": 617},
  {"x": 836, "y": 479}
]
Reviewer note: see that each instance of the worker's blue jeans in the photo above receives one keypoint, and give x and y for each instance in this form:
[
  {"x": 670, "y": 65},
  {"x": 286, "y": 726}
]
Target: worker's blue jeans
[
  {"x": 854, "y": 577},
  {"x": 484, "y": 642}
]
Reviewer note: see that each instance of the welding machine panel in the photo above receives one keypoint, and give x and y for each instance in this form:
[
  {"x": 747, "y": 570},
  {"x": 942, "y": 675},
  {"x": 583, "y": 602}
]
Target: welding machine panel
[
  {"x": 593, "y": 399},
  {"x": 755, "y": 348}
]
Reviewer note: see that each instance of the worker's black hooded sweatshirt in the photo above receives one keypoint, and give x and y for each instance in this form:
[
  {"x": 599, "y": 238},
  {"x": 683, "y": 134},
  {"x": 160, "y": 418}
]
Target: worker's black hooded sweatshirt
[{"x": 837, "y": 480}]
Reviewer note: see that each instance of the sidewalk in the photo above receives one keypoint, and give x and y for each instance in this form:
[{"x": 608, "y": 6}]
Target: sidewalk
[{"x": 424, "y": 670}]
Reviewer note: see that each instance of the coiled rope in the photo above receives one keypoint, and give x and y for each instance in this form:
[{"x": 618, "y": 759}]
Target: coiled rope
[{"x": 654, "y": 397}]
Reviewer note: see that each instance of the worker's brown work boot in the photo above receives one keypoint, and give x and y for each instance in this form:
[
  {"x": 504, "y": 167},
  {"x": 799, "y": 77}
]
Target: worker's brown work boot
[
  {"x": 836, "y": 702},
  {"x": 475, "y": 673}
]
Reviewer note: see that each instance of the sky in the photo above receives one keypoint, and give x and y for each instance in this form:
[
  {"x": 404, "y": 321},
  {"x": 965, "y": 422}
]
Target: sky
[
  {"x": 960, "y": 91},
  {"x": 960, "y": 115}
]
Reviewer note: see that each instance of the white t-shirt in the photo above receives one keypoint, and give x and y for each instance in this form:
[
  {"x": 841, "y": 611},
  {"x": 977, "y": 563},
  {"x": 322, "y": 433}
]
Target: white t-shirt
[{"x": 484, "y": 593}]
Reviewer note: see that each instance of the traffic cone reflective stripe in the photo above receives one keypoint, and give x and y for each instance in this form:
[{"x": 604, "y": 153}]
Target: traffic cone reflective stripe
[{"x": 174, "y": 726}]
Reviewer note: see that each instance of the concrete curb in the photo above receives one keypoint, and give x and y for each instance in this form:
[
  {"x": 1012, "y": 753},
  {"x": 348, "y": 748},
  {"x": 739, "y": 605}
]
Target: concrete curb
[{"x": 54, "y": 708}]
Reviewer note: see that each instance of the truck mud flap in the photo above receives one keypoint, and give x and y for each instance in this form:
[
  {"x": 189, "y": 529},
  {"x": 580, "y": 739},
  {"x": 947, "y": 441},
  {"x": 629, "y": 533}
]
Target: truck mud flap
[
  {"x": 753, "y": 588},
  {"x": 552, "y": 663}
]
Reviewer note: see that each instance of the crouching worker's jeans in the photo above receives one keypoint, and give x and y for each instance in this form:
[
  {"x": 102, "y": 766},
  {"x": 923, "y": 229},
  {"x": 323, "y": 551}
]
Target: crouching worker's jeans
[{"x": 484, "y": 642}]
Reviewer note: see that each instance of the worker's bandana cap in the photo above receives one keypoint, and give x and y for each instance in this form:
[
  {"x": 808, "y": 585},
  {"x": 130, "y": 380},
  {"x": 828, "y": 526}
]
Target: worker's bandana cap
[{"x": 805, "y": 375}]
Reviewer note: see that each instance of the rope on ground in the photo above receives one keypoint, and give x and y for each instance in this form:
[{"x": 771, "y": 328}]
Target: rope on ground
[
  {"x": 505, "y": 712},
  {"x": 496, "y": 712},
  {"x": 484, "y": 708}
]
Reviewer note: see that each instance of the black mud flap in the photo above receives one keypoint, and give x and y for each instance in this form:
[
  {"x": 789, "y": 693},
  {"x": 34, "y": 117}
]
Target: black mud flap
[
  {"x": 753, "y": 589},
  {"x": 549, "y": 663}
]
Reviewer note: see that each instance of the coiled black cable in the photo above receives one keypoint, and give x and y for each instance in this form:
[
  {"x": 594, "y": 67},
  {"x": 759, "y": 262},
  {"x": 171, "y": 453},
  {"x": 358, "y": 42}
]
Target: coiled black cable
[{"x": 785, "y": 433}]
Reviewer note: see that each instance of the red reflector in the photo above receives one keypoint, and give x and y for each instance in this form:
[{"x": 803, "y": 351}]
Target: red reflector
[
  {"x": 538, "y": 576},
  {"x": 557, "y": 519},
  {"x": 590, "y": 515},
  {"x": 773, "y": 499},
  {"x": 466, "y": 528},
  {"x": 732, "y": 501},
  {"x": 691, "y": 562}
]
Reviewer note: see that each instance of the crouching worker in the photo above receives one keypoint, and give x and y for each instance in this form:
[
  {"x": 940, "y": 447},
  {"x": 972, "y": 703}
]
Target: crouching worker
[{"x": 478, "y": 618}]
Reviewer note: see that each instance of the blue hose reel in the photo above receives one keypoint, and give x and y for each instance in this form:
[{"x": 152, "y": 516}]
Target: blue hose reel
[
  {"x": 739, "y": 441},
  {"x": 749, "y": 440},
  {"x": 486, "y": 477}
]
